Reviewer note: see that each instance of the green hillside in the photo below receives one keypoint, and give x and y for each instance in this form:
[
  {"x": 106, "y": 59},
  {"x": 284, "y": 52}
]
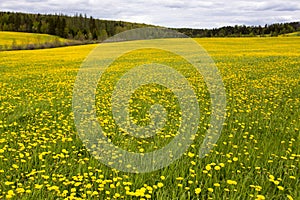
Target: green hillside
[
  {"x": 19, "y": 40},
  {"x": 294, "y": 34}
]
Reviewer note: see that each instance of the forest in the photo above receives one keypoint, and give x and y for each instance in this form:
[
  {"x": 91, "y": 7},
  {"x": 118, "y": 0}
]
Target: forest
[
  {"x": 78, "y": 27},
  {"x": 83, "y": 28},
  {"x": 244, "y": 31}
]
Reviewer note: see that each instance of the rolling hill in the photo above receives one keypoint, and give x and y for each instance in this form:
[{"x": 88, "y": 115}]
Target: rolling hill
[{"x": 20, "y": 40}]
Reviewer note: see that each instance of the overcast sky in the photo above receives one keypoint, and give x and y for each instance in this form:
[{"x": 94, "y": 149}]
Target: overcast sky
[{"x": 169, "y": 13}]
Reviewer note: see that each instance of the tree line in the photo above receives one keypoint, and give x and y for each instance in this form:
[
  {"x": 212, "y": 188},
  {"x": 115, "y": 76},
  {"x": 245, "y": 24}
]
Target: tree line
[
  {"x": 83, "y": 28},
  {"x": 243, "y": 31},
  {"x": 78, "y": 27}
]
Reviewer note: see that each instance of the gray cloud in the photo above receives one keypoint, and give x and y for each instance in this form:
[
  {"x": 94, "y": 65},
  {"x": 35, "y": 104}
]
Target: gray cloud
[
  {"x": 276, "y": 6},
  {"x": 170, "y": 13}
]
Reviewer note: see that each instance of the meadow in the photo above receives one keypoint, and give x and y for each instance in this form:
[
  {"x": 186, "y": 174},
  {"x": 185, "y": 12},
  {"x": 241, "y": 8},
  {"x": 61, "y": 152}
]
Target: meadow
[
  {"x": 256, "y": 157},
  {"x": 17, "y": 40}
]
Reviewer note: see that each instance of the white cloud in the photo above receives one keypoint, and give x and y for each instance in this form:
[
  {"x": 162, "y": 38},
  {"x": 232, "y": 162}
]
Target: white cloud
[{"x": 170, "y": 13}]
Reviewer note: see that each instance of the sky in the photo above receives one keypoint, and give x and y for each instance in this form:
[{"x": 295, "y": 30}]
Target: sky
[{"x": 169, "y": 13}]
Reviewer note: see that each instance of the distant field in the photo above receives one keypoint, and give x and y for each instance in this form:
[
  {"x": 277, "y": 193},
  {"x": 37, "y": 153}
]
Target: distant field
[
  {"x": 8, "y": 40},
  {"x": 293, "y": 34},
  {"x": 256, "y": 157}
]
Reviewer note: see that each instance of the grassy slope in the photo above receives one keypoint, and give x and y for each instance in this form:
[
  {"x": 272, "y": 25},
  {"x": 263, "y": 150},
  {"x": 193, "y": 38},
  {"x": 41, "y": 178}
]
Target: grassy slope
[
  {"x": 260, "y": 137},
  {"x": 294, "y": 34},
  {"x": 7, "y": 39}
]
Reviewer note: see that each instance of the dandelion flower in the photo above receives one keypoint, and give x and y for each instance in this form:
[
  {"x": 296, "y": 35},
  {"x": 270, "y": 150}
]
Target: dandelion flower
[
  {"x": 160, "y": 185},
  {"x": 280, "y": 188},
  {"x": 197, "y": 191},
  {"x": 231, "y": 182}
]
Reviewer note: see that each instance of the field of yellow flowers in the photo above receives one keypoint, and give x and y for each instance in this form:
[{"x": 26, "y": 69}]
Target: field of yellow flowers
[
  {"x": 11, "y": 40},
  {"x": 256, "y": 157}
]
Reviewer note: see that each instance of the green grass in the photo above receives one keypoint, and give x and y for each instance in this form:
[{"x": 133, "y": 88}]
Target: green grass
[
  {"x": 42, "y": 157},
  {"x": 294, "y": 34},
  {"x": 10, "y": 40}
]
